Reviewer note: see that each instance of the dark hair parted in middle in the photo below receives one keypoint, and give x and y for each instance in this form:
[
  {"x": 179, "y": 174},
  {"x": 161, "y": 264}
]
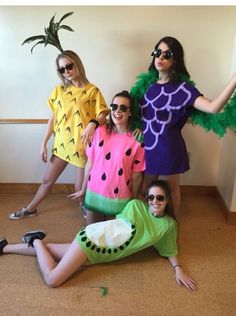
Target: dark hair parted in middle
[
  {"x": 124, "y": 94},
  {"x": 169, "y": 209},
  {"x": 178, "y": 58}
]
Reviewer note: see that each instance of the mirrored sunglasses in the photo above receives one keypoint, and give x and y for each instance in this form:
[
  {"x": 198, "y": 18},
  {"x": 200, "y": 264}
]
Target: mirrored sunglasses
[
  {"x": 159, "y": 197},
  {"x": 67, "y": 67},
  {"x": 122, "y": 107},
  {"x": 166, "y": 54}
]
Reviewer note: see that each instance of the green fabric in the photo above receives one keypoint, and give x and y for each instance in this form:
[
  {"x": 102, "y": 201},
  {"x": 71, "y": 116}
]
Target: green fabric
[
  {"x": 218, "y": 123},
  {"x": 147, "y": 231},
  {"x": 97, "y": 203}
]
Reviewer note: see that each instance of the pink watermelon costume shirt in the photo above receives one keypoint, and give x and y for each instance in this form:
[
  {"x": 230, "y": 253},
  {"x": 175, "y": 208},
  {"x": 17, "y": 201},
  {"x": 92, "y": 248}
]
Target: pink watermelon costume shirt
[{"x": 115, "y": 158}]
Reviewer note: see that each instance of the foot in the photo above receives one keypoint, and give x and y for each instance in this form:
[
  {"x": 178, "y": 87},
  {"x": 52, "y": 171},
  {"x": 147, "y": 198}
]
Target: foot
[
  {"x": 30, "y": 236},
  {"x": 3, "y": 243},
  {"x": 84, "y": 211},
  {"x": 23, "y": 213}
]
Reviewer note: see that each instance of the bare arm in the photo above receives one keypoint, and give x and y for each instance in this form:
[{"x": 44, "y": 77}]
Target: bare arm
[
  {"x": 215, "y": 106},
  {"x": 89, "y": 130},
  {"x": 182, "y": 278},
  {"x": 79, "y": 194},
  {"x": 48, "y": 133},
  {"x": 137, "y": 178}
]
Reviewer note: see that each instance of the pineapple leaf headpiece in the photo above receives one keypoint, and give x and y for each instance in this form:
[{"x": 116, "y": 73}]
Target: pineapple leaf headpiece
[{"x": 51, "y": 37}]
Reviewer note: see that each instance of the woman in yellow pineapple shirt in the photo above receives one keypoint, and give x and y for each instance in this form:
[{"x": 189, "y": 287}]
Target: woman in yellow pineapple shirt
[{"x": 78, "y": 108}]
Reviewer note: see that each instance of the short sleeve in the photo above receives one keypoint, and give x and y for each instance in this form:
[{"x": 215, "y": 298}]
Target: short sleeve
[
  {"x": 167, "y": 246},
  {"x": 98, "y": 102},
  {"x": 139, "y": 160},
  {"x": 52, "y": 99}
]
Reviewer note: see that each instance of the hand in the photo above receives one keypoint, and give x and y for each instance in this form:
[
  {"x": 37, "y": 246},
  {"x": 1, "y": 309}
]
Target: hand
[
  {"x": 184, "y": 280},
  {"x": 138, "y": 133},
  {"x": 87, "y": 135},
  {"x": 44, "y": 153},
  {"x": 77, "y": 195}
]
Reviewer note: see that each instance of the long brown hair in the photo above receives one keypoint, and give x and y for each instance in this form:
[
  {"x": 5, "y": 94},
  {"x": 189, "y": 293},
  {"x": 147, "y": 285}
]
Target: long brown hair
[
  {"x": 169, "y": 209},
  {"x": 178, "y": 58},
  {"x": 75, "y": 59},
  {"x": 124, "y": 94}
]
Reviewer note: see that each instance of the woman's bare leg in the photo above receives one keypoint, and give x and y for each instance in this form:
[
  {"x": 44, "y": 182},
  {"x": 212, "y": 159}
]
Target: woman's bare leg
[
  {"x": 54, "y": 273},
  {"x": 79, "y": 178},
  {"x": 56, "y": 250},
  {"x": 53, "y": 171},
  {"x": 174, "y": 183},
  {"x": 93, "y": 217}
]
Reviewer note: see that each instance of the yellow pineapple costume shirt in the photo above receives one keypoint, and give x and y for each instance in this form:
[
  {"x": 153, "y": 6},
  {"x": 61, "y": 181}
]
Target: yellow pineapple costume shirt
[{"x": 73, "y": 108}]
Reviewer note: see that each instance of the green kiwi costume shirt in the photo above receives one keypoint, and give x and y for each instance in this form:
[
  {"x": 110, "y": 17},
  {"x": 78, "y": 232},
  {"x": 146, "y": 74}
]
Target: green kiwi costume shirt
[
  {"x": 134, "y": 229},
  {"x": 73, "y": 108}
]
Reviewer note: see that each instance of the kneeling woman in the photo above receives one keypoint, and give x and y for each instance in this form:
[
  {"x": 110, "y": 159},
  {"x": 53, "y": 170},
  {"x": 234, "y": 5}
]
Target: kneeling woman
[{"x": 137, "y": 227}]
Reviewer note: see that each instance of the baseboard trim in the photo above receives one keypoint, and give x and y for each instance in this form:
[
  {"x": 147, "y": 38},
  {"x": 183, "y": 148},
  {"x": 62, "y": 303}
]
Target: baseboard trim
[{"x": 196, "y": 190}]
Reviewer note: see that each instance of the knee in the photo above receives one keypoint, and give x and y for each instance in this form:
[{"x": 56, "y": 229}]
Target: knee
[
  {"x": 51, "y": 281},
  {"x": 47, "y": 183}
]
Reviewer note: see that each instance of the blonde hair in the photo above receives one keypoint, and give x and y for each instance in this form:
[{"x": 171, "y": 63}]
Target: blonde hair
[{"x": 75, "y": 59}]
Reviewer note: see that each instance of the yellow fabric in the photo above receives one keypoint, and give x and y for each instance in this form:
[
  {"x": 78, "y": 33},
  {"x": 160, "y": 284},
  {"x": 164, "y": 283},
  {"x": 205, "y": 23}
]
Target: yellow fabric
[{"x": 73, "y": 109}]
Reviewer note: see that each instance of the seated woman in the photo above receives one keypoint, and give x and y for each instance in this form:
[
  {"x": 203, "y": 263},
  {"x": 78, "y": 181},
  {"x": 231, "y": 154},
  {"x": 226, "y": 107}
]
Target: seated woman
[{"x": 137, "y": 227}]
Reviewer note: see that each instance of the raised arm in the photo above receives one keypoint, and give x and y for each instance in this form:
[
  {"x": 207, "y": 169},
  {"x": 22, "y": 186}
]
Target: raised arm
[
  {"x": 181, "y": 278},
  {"x": 215, "y": 106}
]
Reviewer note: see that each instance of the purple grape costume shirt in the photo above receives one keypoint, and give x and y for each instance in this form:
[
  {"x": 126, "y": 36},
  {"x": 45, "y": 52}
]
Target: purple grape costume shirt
[{"x": 165, "y": 109}]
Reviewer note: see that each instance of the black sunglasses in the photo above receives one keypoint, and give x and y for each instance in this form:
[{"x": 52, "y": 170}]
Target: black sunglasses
[
  {"x": 67, "y": 67},
  {"x": 158, "y": 52},
  {"x": 159, "y": 197},
  {"x": 122, "y": 107}
]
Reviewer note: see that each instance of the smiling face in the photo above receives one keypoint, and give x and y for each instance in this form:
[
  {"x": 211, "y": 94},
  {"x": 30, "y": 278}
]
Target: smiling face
[
  {"x": 161, "y": 63},
  {"x": 120, "y": 112},
  {"x": 157, "y": 201}
]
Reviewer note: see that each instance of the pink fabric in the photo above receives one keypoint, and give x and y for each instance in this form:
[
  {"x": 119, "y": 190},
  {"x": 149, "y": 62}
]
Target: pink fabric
[{"x": 115, "y": 157}]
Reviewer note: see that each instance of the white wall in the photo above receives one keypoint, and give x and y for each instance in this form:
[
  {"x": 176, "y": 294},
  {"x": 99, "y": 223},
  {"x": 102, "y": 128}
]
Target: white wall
[{"x": 115, "y": 45}]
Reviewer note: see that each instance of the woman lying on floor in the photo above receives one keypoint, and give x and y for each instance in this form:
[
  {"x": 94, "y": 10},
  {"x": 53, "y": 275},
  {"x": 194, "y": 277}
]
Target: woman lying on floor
[{"x": 139, "y": 226}]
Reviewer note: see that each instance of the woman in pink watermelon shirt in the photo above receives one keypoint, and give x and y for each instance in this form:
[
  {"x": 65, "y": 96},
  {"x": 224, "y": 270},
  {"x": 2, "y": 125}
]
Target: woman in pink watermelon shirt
[{"x": 115, "y": 165}]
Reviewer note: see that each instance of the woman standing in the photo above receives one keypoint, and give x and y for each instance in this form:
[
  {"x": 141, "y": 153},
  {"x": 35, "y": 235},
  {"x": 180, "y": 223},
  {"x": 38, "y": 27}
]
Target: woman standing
[
  {"x": 78, "y": 107},
  {"x": 167, "y": 98},
  {"x": 115, "y": 165}
]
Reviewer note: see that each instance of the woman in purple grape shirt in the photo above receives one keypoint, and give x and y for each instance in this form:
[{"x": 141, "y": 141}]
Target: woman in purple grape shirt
[{"x": 167, "y": 97}]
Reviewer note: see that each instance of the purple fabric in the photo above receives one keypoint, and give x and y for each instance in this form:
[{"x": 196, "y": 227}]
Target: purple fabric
[{"x": 165, "y": 110}]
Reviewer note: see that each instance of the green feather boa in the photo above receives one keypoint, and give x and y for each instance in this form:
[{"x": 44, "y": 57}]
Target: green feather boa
[{"x": 218, "y": 123}]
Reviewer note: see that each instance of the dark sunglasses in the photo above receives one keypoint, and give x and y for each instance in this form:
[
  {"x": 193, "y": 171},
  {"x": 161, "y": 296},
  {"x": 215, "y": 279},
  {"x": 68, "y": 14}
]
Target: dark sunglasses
[
  {"x": 159, "y": 197},
  {"x": 67, "y": 67},
  {"x": 158, "y": 52},
  {"x": 122, "y": 107}
]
